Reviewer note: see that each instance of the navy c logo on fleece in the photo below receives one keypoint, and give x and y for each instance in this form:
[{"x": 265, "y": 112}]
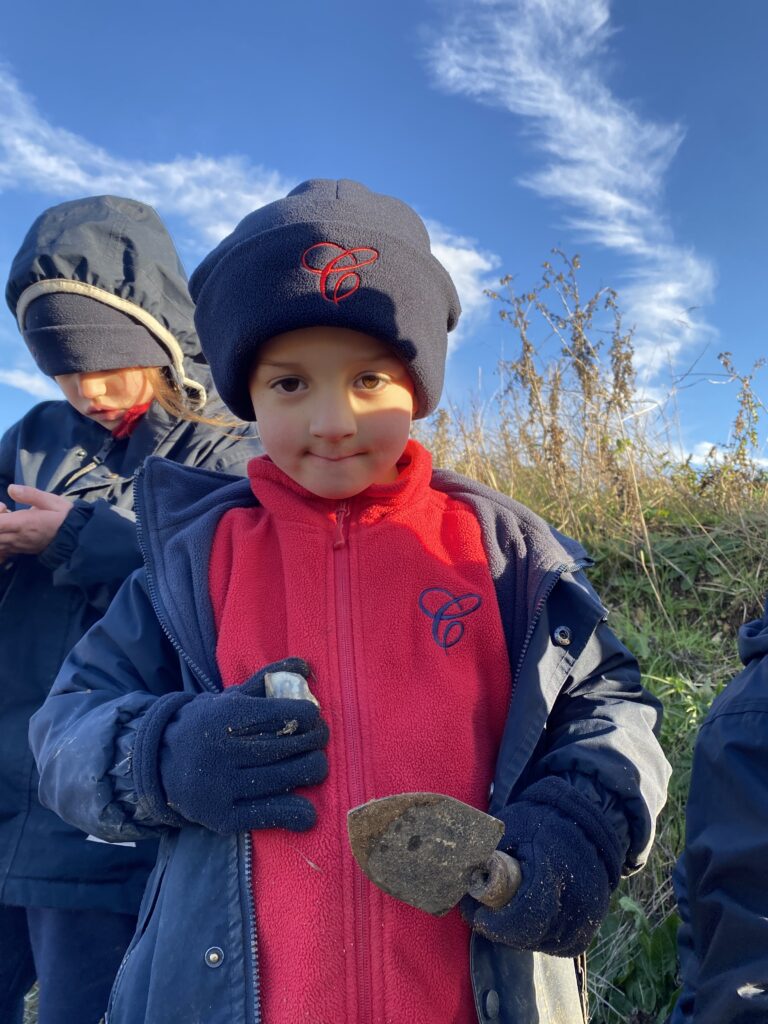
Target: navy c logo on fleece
[
  {"x": 341, "y": 261},
  {"x": 446, "y": 610}
]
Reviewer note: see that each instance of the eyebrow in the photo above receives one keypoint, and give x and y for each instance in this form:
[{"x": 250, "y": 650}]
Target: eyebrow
[{"x": 363, "y": 357}]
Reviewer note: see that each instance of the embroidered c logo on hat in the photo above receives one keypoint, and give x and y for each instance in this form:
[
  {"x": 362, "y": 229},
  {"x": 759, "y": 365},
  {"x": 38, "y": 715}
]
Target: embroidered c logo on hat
[{"x": 341, "y": 263}]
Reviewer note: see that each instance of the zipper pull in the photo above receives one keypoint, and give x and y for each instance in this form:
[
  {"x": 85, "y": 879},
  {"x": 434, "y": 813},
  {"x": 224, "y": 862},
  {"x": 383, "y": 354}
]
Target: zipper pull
[{"x": 338, "y": 537}]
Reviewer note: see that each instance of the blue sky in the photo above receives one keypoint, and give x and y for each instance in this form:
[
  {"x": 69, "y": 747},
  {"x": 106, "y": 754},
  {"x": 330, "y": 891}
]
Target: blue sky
[{"x": 633, "y": 133}]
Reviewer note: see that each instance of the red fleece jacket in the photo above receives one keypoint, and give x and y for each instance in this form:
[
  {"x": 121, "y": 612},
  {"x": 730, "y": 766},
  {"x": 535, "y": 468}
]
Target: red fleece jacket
[{"x": 389, "y": 598}]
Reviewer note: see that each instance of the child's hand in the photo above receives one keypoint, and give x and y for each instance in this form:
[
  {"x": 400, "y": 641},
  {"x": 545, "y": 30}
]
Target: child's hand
[
  {"x": 29, "y": 531},
  {"x": 230, "y": 761},
  {"x": 570, "y": 861}
]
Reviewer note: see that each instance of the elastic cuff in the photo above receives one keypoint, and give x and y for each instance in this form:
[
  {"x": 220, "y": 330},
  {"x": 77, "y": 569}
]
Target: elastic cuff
[
  {"x": 146, "y": 759},
  {"x": 65, "y": 541},
  {"x": 555, "y": 792}
]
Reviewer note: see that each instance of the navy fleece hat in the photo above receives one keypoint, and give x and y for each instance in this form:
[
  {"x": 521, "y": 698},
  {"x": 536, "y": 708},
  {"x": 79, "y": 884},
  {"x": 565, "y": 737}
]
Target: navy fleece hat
[
  {"x": 331, "y": 253},
  {"x": 69, "y": 333}
]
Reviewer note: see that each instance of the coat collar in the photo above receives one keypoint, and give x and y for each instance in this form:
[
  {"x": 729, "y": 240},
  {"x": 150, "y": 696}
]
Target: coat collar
[{"x": 286, "y": 499}]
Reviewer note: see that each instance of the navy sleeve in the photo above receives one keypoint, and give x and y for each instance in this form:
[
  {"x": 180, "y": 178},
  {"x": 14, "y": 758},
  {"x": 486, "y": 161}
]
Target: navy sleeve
[
  {"x": 725, "y": 913},
  {"x": 95, "y": 549},
  {"x": 8, "y": 445},
  {"x": 601, "y": 736},
  {"x": 111, "y": 678}
]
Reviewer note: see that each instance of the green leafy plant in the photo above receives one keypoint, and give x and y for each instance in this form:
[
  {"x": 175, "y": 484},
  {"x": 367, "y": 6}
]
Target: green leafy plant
[{"x": 641, "y": 987}]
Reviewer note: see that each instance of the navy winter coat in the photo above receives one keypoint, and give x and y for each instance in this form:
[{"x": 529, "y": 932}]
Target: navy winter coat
[
  {"x": 721, "y": 879},
  {"x": 48, "y": 601},
  {"x": 579, "y": 712}
]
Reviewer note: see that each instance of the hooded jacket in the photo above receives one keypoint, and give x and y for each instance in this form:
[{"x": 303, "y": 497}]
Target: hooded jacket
[
  {"x": 577, "y": 711},
  {"x": 720, "y": 878},
  {"x": 48, "y": 601},
  {"x": 388, "y": 597}
]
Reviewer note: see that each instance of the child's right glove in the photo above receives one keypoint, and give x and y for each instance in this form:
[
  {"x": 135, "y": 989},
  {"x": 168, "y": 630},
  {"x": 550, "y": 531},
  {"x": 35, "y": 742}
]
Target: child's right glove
[
  {"x": 230, "y": 761},
  {"x": 570, "y": 861}
]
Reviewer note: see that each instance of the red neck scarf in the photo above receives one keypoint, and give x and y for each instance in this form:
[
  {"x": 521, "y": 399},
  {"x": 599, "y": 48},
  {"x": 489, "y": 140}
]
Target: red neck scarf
[{"x": 130, "y": 421}]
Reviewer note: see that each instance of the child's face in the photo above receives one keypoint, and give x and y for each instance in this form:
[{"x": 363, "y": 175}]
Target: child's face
[
  {"x": 334, "y": 409},
  {"x": 104, "y": 396}
]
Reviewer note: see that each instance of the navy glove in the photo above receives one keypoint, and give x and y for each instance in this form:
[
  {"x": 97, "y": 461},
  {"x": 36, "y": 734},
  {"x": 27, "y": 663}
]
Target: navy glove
[
  {"x": 570, "y": 860},
  {"x": 231, "y": 760}
]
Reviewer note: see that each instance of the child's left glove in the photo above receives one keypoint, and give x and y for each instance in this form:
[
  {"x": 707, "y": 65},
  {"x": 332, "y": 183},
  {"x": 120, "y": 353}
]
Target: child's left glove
[{"x": 570, "y": 861}]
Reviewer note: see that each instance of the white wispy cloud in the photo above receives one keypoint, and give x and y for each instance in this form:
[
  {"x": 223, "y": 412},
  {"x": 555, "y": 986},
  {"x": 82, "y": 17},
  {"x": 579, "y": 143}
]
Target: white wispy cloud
[
  {"x": 33, "y": 383},
  {"x": 543, "y": 60},
  {"x": 471, "y": 269},
  {"x": 210, "y": 194},
  {"x": 17, "y": 368},
  {"x": 205, "y": 195}
]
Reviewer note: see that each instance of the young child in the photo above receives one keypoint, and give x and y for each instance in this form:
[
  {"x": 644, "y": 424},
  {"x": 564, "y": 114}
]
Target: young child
[
  {"x": 101, "y": 300},
  {"x": 448, "y": 634}
]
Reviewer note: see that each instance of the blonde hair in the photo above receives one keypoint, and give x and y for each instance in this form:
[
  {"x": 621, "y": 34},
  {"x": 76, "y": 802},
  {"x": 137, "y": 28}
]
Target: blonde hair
[{"x": 175, "y": 401}]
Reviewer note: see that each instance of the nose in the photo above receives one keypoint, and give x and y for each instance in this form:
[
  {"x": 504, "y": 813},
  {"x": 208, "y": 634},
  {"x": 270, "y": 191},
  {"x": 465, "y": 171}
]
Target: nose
[
  {"x": 333, "y": 417},
  {"x": 91, "y": 385}
]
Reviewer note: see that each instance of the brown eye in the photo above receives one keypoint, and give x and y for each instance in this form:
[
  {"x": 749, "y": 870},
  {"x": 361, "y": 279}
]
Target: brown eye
[
  {"x": 370, "y": 381},
  {"x": 288, "y": 385}
]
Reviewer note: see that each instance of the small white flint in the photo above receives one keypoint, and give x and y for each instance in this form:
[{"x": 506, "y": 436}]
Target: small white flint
[{"x": 290, "y": 685}]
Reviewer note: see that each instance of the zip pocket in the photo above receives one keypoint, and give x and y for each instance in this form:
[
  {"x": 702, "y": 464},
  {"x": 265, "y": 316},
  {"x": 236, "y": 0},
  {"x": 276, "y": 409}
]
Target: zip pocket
[
  {"x": 146, "y": 911},
  {"x": 151, "y": 896}
]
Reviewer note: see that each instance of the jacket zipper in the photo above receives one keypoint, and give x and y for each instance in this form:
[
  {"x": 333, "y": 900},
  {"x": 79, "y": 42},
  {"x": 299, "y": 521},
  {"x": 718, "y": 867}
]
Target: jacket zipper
[
  {"x": 361, "y": 903},
  {"x": 97, "y": 460},
  {"x": 245, "y": 841},
  {"x": 82, "y": 471},
  {"x": 244, "y": 838},
  {"x": 203, "y": 676}
]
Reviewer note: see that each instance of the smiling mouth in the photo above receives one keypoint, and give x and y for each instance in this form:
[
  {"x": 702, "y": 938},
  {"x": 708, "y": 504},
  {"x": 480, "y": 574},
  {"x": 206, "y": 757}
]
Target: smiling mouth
[{"x": 335, "y": 458}]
